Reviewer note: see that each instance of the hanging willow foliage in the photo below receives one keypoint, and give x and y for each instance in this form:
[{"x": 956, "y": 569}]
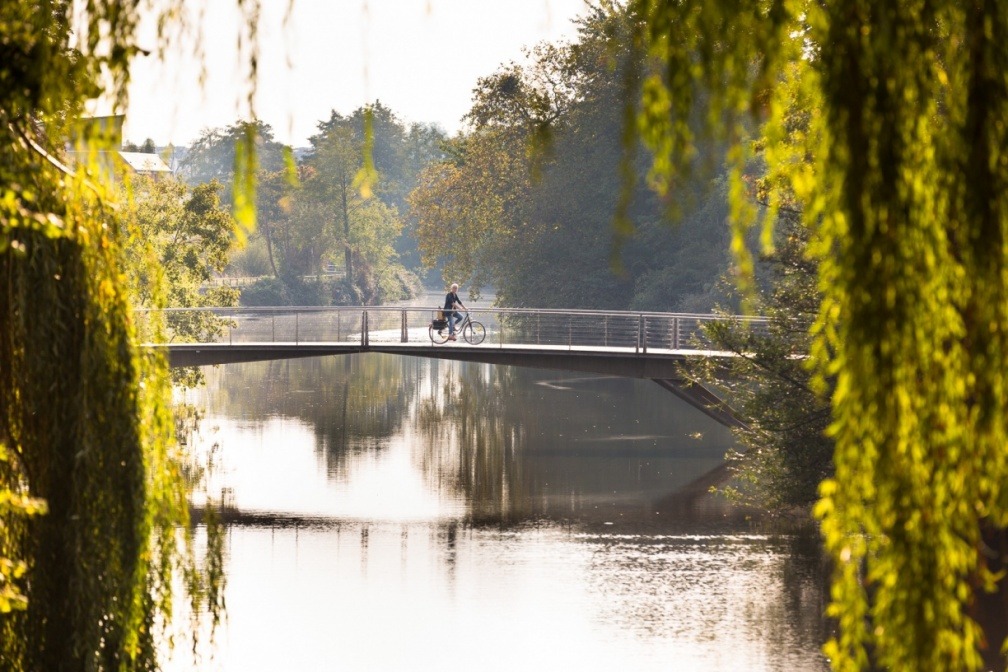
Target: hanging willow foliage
[
  {"x": 92, "y": 493},
  {"x": 904, "y": 178}
]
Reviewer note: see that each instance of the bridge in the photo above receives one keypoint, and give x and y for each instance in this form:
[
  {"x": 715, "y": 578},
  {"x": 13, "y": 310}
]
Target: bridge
[{"x": 645, "y": 345}]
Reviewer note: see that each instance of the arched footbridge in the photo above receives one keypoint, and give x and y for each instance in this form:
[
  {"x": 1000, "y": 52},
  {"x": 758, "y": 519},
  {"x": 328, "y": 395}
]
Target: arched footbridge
[{"x": 620, "y": 343}]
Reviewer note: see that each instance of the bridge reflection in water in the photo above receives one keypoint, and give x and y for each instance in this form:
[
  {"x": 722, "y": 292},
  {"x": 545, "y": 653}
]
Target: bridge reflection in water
[{"x": 619, "y": 343}]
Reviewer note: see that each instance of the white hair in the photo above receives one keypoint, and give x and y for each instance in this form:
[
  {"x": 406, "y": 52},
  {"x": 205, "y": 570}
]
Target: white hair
[{"x": 454, "y": 286}]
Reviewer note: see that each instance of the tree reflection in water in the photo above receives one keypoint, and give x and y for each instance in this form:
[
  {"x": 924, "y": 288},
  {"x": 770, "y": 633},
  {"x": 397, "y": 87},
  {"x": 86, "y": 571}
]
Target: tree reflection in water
[
  {"x": 591, "y": 490},
  {"x": 513, "y": 444},
  {"x": 524, "y": 444}
]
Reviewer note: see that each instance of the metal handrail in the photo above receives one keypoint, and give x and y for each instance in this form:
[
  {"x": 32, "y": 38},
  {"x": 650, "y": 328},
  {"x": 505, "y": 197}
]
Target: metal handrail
[
  {"x": 636, "y": 331},
  {"x": 397, "y": 309}
]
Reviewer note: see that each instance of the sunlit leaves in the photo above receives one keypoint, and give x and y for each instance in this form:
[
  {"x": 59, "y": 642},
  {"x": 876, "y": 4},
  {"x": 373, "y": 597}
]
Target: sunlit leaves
[
  {"x": 714, "y": 59},
  {"x": 18, "y": 210},
  {"x": 179, "y": 241},
  {"x": 902, "y": 179},
  {"x": 366, "y": 177},
  {"x": 83, "y": 412},
  {"x": 12, "y": 572},
  {"x": 187, "y": 233},
  {"x": 244, "y": 185}
]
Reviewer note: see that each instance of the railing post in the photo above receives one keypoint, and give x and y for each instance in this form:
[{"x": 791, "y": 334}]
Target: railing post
[
  {"x": 339, "y": 320},
  {"x": 637, "y": 349},
  {"x": 273, "y": 327},
  {"x": 644, "y": 333},
  {"x": 364, "y": 328},
  {"x": 404, "y": 333},
  {"x": 605, "y": 337},
  {"x": 297, "y": 326},
  {"x": 675, "y": 333}
]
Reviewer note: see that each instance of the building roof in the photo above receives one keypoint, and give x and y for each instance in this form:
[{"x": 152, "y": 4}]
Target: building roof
[{"x": 144, "y": 163}]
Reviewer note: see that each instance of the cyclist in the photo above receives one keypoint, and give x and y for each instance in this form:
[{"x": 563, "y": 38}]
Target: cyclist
[{"x": 451, "y": 302}]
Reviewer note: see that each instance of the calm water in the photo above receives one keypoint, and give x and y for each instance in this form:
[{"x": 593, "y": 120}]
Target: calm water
[{"x": 408, "y": 514}]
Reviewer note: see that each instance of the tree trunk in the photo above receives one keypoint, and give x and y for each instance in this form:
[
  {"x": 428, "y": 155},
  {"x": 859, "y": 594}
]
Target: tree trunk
[
  {"x": 269, "y": 251},
  {"x": 347, "y": 254},
  {"x": 991, "y": 609}
]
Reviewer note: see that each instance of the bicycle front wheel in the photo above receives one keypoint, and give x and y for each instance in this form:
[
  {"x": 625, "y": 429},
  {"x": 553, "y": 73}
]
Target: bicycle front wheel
[{"x": 474, "y": 333}]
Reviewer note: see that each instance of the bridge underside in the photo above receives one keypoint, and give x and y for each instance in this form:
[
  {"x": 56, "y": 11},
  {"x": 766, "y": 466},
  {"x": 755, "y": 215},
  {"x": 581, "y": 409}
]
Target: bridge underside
[
  {"x": 664, "y": 368},
  {"x": 206, "y": 354}
]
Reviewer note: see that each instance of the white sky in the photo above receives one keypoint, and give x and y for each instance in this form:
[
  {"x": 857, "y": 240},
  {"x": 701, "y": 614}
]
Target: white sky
[{"x": 420, "y": 58}]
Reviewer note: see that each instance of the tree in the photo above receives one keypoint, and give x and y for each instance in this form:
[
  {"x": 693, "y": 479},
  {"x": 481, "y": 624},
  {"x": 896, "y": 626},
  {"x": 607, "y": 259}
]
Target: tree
[
  {"x": 189, "y": 235},
  {"x": 272, "y": 207},
  {"x": 180, "y": 238},
  {"x": 424, "y": 145},
  {"x": 215, "y": 154},
  {"x": 783, "y": 451},
  {"x": 466, "y": 205},
  {"x": 525, "y": 199},
  {"x": 146, "y": 148},
  {"x": 83, "y": 412},
  {"x": 906, "y": 194},
  {"x": 336, "y": 161},
  {"x": 364, "y": 228}
]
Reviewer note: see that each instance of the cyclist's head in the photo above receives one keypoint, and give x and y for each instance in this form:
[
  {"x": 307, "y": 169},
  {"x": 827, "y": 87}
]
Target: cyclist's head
[{"x": 454, "y": 287}]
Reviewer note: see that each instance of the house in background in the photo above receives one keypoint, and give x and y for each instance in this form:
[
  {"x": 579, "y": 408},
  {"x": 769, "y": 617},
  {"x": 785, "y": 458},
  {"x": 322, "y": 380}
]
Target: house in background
[
  {"x": 144, "y": 164},
  {"x": 100, "y": 139}
]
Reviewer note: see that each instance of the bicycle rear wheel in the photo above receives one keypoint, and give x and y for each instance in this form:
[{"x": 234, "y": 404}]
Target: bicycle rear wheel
[
  {"x": 437, "y": 337},
  {"x": 474, "y": 333}
]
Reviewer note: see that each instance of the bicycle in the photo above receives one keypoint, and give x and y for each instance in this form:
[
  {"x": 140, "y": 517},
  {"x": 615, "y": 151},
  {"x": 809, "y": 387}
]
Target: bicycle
[{"x": 472, "y": 332}]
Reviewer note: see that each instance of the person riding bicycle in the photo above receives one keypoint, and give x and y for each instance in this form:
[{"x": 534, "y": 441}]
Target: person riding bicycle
[{"x": 452, "y": 302}]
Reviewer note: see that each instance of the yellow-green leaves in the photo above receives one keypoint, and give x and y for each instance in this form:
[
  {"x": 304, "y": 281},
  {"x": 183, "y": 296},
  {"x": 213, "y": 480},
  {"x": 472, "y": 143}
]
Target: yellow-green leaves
[
  {"x": 82, "y": 412},
  {"x": 246, "y": 168},
  {"x": 901, "y": 175},
  {"x": 12, "y": 571},
  {"x": 366, "y": 178}
]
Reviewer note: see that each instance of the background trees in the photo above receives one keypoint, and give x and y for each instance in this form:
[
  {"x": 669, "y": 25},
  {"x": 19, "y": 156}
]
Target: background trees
[
  {"x": 524, "y": 201},
  {"x": 372, "y": 235},
  {"x": 363, "y": 229},
  {"x": 314, "y": 216},
  {"x": 212, "y": 155}
]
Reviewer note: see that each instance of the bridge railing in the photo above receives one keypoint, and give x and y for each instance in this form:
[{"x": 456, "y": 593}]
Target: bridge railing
[{"x": 370, "y": 325}]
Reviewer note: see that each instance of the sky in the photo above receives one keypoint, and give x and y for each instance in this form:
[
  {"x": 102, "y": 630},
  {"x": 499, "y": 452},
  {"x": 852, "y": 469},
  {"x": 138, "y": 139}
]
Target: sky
[{"x": 420, "y": 58}]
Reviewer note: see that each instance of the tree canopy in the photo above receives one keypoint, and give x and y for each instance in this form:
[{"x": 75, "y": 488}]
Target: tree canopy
[
  {"x": 330, "y": 224},
  {"x": 524, "y": 200},
  {"x": 904, "y": 190},
  {"x": 85, "y": 435}
]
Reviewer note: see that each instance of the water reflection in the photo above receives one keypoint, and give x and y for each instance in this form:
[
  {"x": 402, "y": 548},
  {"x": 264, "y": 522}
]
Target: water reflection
[
  {"x": 400, "y": 513},
  {"x": 368, "y": 596},
  {"x": 493, "y": 444}
]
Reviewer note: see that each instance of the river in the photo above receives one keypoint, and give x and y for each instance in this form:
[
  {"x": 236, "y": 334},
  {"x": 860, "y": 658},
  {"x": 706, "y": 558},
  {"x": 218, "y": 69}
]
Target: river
[{"x": 395, "y": 513}]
